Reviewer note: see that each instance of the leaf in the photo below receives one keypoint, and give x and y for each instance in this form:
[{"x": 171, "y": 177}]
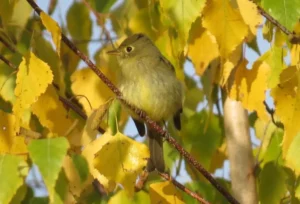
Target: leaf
[
  {"x": 180, "y": 15},
  {"x": 121, "y": 159},
  {"x": 51, "y": 112},
  {"x": 230, "y": 30},
  {"x": 274, "y": 58},
  {"x": 292, "y": 157},
  {"x": 202, "y": 40},
  {"x": 9, "y": 141},
  {"x": 53, "y": 27},
  {"x": 76, "y": 185},
  {"x": 286, "y": 12},
  {"x": 89, "y": 153},
  {"x": 272, "y": 190},
  {"x": 122, "y": 197},
  {"x": 10, "y": 177},
  {"x": 287, "y": 100},
  {"x": 203, "y": 135},
  {"x": 14, "y": 15},
  {"x": 48, "y": 154},
  {"x": 165, "y": 192},
  {"x": 250, "y": 86},
  {"x": 7, "y": 83},
  {"x": 295, "y": 54},
  {"x": 250, "y": 14},
  {"x": 79, "y": 24},
  {"x": 104, "y": 6},
  {"x": 33, "y": 78},
  {"x": 81, "y": 166},
  {"x": 85, "y": 82}
]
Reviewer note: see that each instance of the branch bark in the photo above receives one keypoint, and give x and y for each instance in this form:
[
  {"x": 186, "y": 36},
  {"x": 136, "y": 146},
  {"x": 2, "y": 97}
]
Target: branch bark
[
  {"x": 239, "y": 152},
  {"x": 144, "y": 116}
]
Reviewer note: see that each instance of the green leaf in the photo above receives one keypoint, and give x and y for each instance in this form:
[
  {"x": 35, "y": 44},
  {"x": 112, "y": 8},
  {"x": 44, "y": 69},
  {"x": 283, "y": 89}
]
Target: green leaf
[
  {"x": 79, "y": 24},
  {"x": 48, "y": 155},
  {"x": 81, "y": 166},
  {"x": 61, "y": 188},
  {"x": 273, "y": 153},
  {"x": 287, "y": 12},
  {"x": 272, "y": 183},
  {"x": 203, "y": 135},
  {"x": 103, "y": 6},
  {"x": 10, "y": 177}
]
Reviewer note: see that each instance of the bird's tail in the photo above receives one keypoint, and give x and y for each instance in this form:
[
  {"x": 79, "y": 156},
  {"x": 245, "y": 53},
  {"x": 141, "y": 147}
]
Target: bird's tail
[{"x": 156, "y": 160}]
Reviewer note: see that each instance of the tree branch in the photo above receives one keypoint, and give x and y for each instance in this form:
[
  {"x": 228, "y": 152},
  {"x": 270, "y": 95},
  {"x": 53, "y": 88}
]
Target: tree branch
[
  {"x": 143, "y": 115},
  {"x": 183, "y": 188},
  {"x": 292, "y": 37}
]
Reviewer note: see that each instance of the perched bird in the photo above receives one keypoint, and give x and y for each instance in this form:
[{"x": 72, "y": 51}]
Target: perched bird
[{"x": 147, "y": 80}]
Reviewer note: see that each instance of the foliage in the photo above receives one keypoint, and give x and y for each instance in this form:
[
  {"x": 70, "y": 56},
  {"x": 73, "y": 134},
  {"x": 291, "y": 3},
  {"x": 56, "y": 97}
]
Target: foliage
[{"x": 211, "y": 36}]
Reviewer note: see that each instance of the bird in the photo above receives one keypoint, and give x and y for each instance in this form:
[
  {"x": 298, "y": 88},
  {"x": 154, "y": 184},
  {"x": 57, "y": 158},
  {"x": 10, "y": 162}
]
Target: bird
[{"x": 148, "y": 81}]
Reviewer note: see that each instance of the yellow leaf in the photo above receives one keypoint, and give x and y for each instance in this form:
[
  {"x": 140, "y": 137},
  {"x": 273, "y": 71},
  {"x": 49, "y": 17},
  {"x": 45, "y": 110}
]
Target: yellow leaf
[
  {"x": 287, "y": 102},
  {"x": 51, "y": 112},
  {"x": 86, "y": 83},
  {"x": 121, "y": 197},
  {"x": 203, "y": 47},
  {"x": 165, "y": 192},
  {"x": 33, "y": 78},
  {"x": 295, "y": 54},
  {"x": 250, "y": 85},
  {"x": 229, "y": 64},
  {"x": 89, "y": 153},
  {"x": 53, "y": 27},
  {"x": 75, "y": 184},
  {"x": 250, "y": 14},
  {"x": 226, "y": 24},
  {"x": 9, "y": 141},
  {"x": 122, "y": 159}
]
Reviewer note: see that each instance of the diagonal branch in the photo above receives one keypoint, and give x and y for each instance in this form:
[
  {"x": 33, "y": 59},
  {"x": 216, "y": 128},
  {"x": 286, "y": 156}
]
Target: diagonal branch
[
  {"x": 144, "y": 116},
  {"x": 96, "y": 183}
]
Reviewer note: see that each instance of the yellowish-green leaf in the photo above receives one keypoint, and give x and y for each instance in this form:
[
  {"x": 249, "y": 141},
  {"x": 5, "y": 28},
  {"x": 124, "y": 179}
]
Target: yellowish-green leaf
[
  {"x": 201, "y": 41},
  {"x": 10, "y": 176},
  {"x": 9, "y": 141},
  {"x": 53, "y": 27},
  {"x": 165, "y": 192},
  {"x": 250, "y": 85},
  {"x": 48, "y": 154},
  {"x": 287, "y": 99},
  {"x": 180, "y": 15},
  {"x": 295, "y": 54},
  {"x": 7, "y": 82},
  {"x": 292, "y": 157},
  {"x": 33, "y": 78},
  {"x": 86, "y": 83},
  {"x": 51, "y": 112},
  {"x": 226, "y": 24},
  {"x": 122, "y": 159},
  {"x": 249, "y": 12},
  {"x": 89, "y": 153},
  {"x": 121, "y": 197},
  {"x": 274, "y": 58}
]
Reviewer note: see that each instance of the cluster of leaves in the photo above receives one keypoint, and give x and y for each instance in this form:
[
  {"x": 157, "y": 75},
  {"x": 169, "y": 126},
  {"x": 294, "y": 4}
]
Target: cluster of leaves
[{"x": 37, "y": 128}]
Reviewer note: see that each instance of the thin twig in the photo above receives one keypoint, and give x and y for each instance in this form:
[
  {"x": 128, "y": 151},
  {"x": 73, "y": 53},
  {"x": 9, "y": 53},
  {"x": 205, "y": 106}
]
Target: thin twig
[
  {"x": 271, "y": 112},
  {"x": 144, "y": 116},
  {"x": 183, "y": 188},
  {"x": 292, "y": 37},
  {"x": 6, "y": 61},
  {"x": 9, "y": 46}
]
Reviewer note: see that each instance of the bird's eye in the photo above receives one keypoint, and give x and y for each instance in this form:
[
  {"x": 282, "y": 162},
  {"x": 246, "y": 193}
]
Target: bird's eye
[{"x": 129, "y": 49}]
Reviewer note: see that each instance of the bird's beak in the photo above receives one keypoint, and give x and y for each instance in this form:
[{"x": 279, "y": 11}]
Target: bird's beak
[{"x": 114, "y": 52}]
